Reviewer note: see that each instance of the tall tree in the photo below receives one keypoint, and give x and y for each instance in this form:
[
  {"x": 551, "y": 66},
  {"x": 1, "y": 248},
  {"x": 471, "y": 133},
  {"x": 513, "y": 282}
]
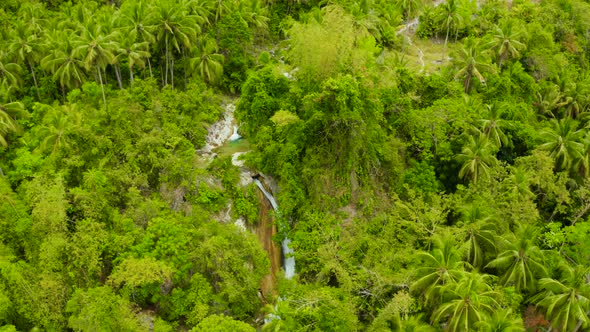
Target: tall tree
[
  {"x": 440, "y": 267},
  {"x": 9, "y": 73},
  {"x": 493, "y": 125},
  {"x": 96, "y": 51},
  {"x": 501, "y": 321},
  {"x": 136, "y": 17},
  {"x": 507, "y": 41},
  {"x": 477, "y": 157},
  {"x": 520, "y": 262},
  {"x": 563, "y": 141},
  {"x": 567, "y": 300},
  {"x": 8, "y": 114},
  {"x": 207, "y": 63},
  {"x": 136, "y": 52},
  {"x": 26, "y": 45},
  {"x": 175, "y": 29},
  {"x": 63, "y": 62},
  {"x": 466, "y": 302},
  {"x": 452, "y": 17},
  {"x": 472, "y": 60}
]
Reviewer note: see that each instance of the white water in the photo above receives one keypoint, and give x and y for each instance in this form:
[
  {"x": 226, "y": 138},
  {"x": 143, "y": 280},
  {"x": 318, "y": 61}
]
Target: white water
[
  {"x": 288, "y": 259},
  {"x": 223, "y": 130},
  {"x": 235, "y": 136}
]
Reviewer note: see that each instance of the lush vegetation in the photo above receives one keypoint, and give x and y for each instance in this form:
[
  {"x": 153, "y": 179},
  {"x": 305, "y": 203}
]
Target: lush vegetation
[{"x": 434, "y": 175}]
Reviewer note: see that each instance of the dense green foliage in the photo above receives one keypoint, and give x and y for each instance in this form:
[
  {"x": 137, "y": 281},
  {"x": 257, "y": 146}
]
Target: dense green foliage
[{"x": 430, "y": 180}]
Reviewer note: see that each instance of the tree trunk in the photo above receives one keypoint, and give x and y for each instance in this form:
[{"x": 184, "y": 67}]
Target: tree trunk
[
  {"x": 130, "y": 75},
  {"x": 172, "y": 72},
  {"x": 34, "y": 78},
  {"x": 185, "y": 66},
  {"x": 104, "y": 71},
  {"x": 166, "y": 75},
  {"x": 104, "y": 98},
  {"x": 118, "y": 74},
  {"x": 445, "y": 47},
  {"x": 150, "y": 67},
  {"x": 467, "y": 82}
]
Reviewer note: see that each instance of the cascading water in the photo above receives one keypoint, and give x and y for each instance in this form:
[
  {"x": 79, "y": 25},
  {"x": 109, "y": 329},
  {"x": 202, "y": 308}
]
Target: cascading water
[
  {"x": 288, "y": 259},
  {"x": 223, "y": 130}
]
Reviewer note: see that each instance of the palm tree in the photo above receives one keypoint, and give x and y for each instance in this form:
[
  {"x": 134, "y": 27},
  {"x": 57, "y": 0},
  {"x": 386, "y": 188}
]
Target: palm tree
[
  {"x": 466, "y": 302},
  {"x": 135, "y": 51},
  {"x": 56, "y": 128},
  {"x": 200, "y": 9},
  {"x": 470, "y": 60},
  {"x": 8, "y": 114},
  {"x": 207, "y": 63},
  {"x": 95, "y": 49},
  {"x": 175, "y": 29},
  {"x": 492, "y": 126},
  {"x": 563, "y": 142},
  {"x": 520, "y": 262},
  {"x": 506, "y": 42},
  {"x": 576, "y": 96},
  {"x": 9, "y": 73},
  {"x": 441, "y": 266},
  {"x": 63, "y": 62},
  {"x": 26, "y": 46},
  {"x": 519, "y": 182},
  {"x": 452, "y": 18},
  {"x": 409, "y": 8},
  {"x": 254, "y": 13},
  {"x": 549, "y": 99},
  {"x": 220, "y": 7},
  {"x": 479, "y": 234},
  {"x": 136, "y": 17},
  {"x": 477, "y": 157},
  {"x": 567, "y": 300},
  {"x": 582, "y": 165},
  {"x": 501, "y": 321}
]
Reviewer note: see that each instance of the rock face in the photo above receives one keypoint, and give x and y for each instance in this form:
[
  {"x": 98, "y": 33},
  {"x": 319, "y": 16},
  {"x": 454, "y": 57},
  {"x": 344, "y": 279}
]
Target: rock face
[
  {"x": 223, "y": 130},
  {"x": 265, "y": 230}
]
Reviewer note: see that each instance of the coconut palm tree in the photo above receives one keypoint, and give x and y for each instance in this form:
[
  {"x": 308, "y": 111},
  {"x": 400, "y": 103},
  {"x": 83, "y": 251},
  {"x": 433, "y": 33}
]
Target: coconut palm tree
[
  {"x": 507, "y": 42},
  {"x": 441, "y": 266},
  {"x": 493, "y": 125},
  {"x": 254, "y": 13},
  {"x": 136, "y": 52},
  {"x": 207, "y": 63},
  {"x": 26, "y": 45},
  {"x": 520, "y": 261},
  {"x": 136, "y": 17},
  {"x": 477, "y": 157},
  {"x": 576, "y": 95},
  {"x": 480, "y": 233},
  {"x": 518, "y": 182},
  {"x": 563, "y": 141},
  {"x": 57, "y": 124},
  {"x": 466, "y": 302},
  {"x": 501, "y": 321},
  {"x": 409, "y": 8},
  {"x": 452, "y": 17},
  {"x": 9, "y": 73},
  {"x": 8, "y": 114},
  {"x": 471, "y": 60},
  {"x": 175, "y": 29},
  {"x": 62, "y": 61},
  {"x": 96, "y": 51},
  {"x": 567, "y": 300}
]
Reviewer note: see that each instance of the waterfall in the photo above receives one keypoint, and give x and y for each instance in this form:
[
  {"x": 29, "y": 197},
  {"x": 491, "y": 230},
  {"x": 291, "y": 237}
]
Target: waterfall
[
  {"x": 235, "y": 136},
  {"x": 288, "y": 259}
]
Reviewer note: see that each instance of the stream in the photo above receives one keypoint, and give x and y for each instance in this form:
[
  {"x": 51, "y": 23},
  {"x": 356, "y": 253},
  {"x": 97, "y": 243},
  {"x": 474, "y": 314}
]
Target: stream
[{"x": 223, "y": 140}]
